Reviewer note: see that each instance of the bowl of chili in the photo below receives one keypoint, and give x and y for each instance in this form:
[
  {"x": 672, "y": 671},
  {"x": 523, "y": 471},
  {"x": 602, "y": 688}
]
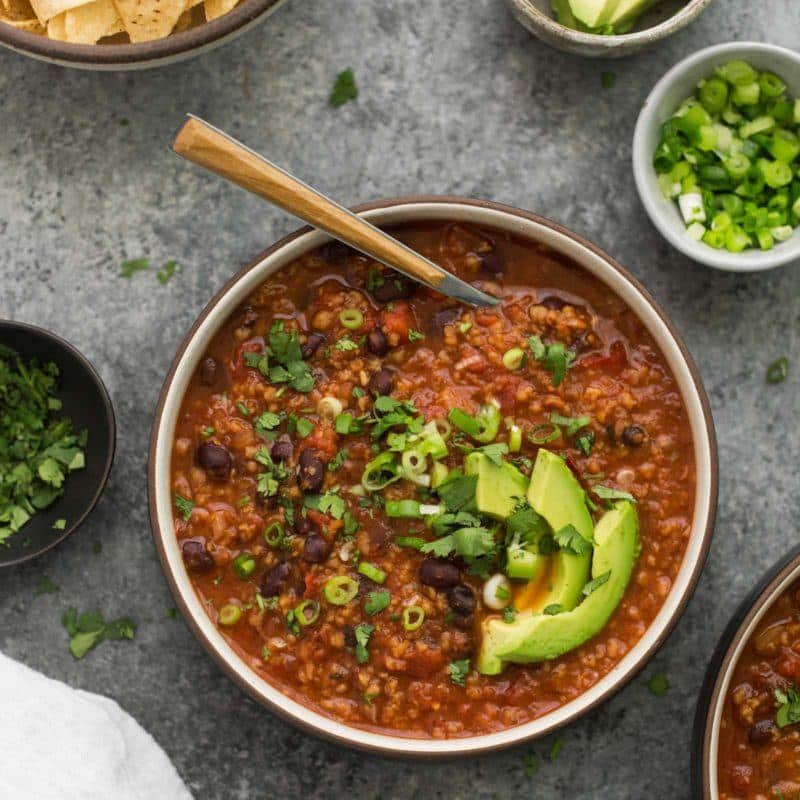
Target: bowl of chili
[
  {"x": 747, "y": 726},
  {"x": 312, "y": 365}
]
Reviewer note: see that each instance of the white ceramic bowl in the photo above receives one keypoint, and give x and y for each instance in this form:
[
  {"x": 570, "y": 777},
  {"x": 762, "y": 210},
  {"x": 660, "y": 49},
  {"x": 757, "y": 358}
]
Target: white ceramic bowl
[
  {"x": 667, "y": 18},
  {"x": 678, "y": 84},
  {"x": 393, "y": 212}
]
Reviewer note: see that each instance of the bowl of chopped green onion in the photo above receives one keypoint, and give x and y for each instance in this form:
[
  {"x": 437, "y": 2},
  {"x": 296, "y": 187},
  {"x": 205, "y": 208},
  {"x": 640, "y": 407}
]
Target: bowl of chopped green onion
[
  {"x": 57, "y": 440},
  {"x": 716, "y": 156},
  {"x": 605, "y": 28}
]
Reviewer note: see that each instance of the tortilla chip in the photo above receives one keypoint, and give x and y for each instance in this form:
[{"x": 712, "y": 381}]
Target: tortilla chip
[
  {"x": 90, "y": 22},
  {"x": 216, "y": 8},
  {"x": 29, "y": 25},
  {"x": 193, "y": 3},
  {"x": 56, "y": 28},
  {"x": 47, "y": 9},
  {"x": 184, "y": 21},
  {"x": 17, "y": 9},
  {"x": 145, "y": 20}
]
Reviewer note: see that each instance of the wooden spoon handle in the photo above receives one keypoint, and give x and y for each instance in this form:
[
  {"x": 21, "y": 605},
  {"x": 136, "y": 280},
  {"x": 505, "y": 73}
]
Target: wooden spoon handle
[{"x": 204, "y": 145}]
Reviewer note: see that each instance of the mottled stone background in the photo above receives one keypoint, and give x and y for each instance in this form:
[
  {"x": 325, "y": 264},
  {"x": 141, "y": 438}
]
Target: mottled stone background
[{"x": 455, "y": 98}]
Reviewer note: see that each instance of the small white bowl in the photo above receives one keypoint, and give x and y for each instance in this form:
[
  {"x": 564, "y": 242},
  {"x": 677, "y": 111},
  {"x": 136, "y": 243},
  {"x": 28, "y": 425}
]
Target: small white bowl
[{"x": 678, "y": 84}]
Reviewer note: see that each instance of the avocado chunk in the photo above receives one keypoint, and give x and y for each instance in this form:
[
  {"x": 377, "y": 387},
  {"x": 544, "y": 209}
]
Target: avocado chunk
[
  {"x": 628, "y": 10},
  {"x": 500, "y": 487},
  {"x": 539, "y": 637},
  {"x": 555, "y": 494},
  {"x": 593, "y": 13}
]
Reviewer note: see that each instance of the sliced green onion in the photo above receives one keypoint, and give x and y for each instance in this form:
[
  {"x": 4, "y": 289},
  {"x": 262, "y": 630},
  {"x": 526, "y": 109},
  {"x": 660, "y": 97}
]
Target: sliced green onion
[
  {"x": 244, "y": 565},
  {"x": 413, "y": 617},
  {"x": 404, "y": 509},
  {"x": 414, "y": 542},
  {"x": 330, "y": 407},
  {"x": 544, "y": 432},
  {"x": 464, "y": 422},
  {"x": 229, "y": 614},
  {"x": 307, "y": 612},
  {"x": 514, "y": 439},
  {"x": 444, "y": 428},
  {"x": 380, "y": 472},
  {"x": 351, "y": 318},
  {"x": 438, "y": 474},
  {"x": 413, "y": 462},
  {"x": 713, "y": 95},
  {"x": 372, "y": 572},
  {"x": 274, "y": 535},
  {"x": 340, "y": 589},
  {"x": 512, "y": 359},
  {"x": 488, "y": 418}
]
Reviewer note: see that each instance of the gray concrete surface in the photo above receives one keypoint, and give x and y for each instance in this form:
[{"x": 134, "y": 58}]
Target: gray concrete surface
[{"x": 455, "y": 98}]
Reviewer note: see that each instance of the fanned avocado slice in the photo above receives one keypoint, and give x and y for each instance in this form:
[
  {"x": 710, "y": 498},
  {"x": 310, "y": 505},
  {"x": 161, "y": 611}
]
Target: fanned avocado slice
[
  {"x": 500, "y": 488},
  {"x": 540, "y": 637}
]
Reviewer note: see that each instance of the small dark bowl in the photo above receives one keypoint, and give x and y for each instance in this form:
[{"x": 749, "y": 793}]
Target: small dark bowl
[
  {"x": 87, "y": 403},
  {"x": 723, "y": 662}
]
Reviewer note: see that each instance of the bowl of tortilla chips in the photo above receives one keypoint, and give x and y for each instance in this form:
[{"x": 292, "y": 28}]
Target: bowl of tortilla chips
[{"x": 124, "y": 34}]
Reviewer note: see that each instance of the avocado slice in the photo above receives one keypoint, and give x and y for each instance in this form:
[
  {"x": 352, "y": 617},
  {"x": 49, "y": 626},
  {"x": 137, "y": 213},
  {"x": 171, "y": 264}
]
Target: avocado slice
[
  {"x": 500, "y": 487},
  {"x": 628, "y": 10},
  {"x": 594, "y": 13},
  {"x": 555, "y": 494},
  {"x": 539, "y": 637}
]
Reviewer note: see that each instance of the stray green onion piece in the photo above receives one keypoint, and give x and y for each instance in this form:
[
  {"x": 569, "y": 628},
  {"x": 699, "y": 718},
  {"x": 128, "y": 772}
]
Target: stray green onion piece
[
  {"x": 413, "y": 617},
  {"x": 340, "y": 590},
  {"x": 229, "y": 615},
  {"x": 351, "y": 318},
  {"x": 514, "y": 358},
  {"x": 244, "y": 565},
  {"x": 307, "y": 612},
  {"x": 372, "y": 572}
]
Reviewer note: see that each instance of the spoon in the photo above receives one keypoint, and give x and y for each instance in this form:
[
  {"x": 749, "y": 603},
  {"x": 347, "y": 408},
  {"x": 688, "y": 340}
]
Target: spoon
[{"x": 216, "y": 151}]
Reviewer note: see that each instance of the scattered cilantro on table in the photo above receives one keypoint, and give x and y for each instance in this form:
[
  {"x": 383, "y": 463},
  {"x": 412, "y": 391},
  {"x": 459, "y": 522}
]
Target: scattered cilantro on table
[
  {"x": 38, "y": 447},
  {"x": 87, "y": 630},
  {"x": 658, "y": 684},
  {"x": 46, "y": 586},
  {"x": 344, "y": 88}
]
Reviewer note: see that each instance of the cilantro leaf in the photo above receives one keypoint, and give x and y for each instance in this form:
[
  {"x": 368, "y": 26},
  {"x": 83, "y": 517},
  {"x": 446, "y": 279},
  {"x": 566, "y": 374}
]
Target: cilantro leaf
[
  {"x": 362, "y": 634},
  {"x": 570, "y": 540},
  {"x": 377, "y": 601},
  {"x": 658, "y": 684},
  {"x": 594, "y": 584},
  {"x": 458, "y": 671},
  {"x": 457, "y": 491},
  {"x": 789, "y": 706},
  {"x": 87, "y": 630},
  {"x": 184, "y": 505},
  {"x": 129, "y": 268},
  {"x": 609, "y": 493},
  {"x": 344, "y": 88}
]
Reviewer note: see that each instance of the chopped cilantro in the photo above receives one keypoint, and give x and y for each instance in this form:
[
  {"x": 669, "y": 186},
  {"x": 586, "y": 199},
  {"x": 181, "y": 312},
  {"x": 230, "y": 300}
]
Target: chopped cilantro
[
  {"x": 596, "y": 583},
  {"x": 457, "y": 491},
  {"x": 553, "y": 609},
  {"x": 208, "y": 432},
  {"x": 284, "y": 348},
  {"x": 788, "y": 706},
  {"x": 338, "y": 460},
  {"x": 377, "y": 601},
  {"x": 38, "y": 448},
  {"x": 585, "y": 442},
  {"x": 267, "y": 421},
  {"x": 530, "y": 763},
  {"x": 345, "y": 344},
  {"x": 46, "y": 586},
  {"x": 129, "y": 268},
  {"x": 571, "y": 425},
  {"x": 166, "y": 272},
  {"x": 609, "y": 493},
  {"x": 555, "y": 358},
  {"x": 244, "y": 409},
  {"x": 658, "y": 684},
  {"x": 60, "y": 524},
  {"x": 570, "y": 540},
  {"x": 458, "y": 671},
  {"x": 607, "y": 79},
  {"x": 555, "y": 748},
  {"x": 304, "y": 427},
  {"x": 184, "y": 506},
  {"x": 509, "y": 614},
  {"x": 362, "y": 634},
  {"x": 329, "y": 503},
  {"x": 415, "y": 336},
  {"x": 268, "y": 481},
  {"x": 344, "y": 88},
  {"x": 87, "y": 630}
]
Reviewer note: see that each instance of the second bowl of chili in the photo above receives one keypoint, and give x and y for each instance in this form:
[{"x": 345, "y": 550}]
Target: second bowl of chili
[{"x": 323, "y": 419}]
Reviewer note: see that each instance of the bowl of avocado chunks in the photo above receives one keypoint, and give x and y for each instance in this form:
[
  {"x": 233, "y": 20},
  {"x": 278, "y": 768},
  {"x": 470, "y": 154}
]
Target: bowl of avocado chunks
[{"x": 605, "y": 28}]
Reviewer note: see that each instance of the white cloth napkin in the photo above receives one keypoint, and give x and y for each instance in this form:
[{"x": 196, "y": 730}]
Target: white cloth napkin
[{"x": 59, "y": 743}]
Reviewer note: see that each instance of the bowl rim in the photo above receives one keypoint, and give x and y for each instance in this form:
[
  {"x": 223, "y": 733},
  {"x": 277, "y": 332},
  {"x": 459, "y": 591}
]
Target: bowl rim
[
  {"x": 672, "y": 24},
  {"x": 723, "y": 662},
  {"x": 111, "y": 443},
  {"x": 141, "y": 54},
  {"x": 311, "y": 721},
  {"x": 748, "y": 261}
]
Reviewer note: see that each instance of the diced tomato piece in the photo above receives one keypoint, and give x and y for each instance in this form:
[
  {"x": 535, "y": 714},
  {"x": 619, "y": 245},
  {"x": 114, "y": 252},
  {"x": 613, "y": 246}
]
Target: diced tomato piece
[
  {"x": 789, "y": 667},
  {"x": 322, "y": 440},
  {"x": 398, "y": 319}
]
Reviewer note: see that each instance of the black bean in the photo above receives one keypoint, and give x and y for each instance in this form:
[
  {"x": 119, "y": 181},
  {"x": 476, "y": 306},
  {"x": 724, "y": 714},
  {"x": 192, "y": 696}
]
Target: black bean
[
  {"x": 393, "y": 288},
  {"x": 316, "y": 549},
  {"x": 195, "y": 555},
  {"x": 377, "y": 342},
  {"x": 461, "y": 599},
  {"x": 381, "y": 382},
  {"x": 215, "y": 459},
  {"x": 445, "y": 317},
  {"x": 334, "y": 252},
  {"x": 311, "y": 344},
  {"x": 303, "y": 526},
  {"x": 282, "y": 448},
  {"x": 633, "y": 436},
  {"x": 311, "y": 472},
  {"x": 208, "y": 371},
  {"x": 492, "y": 262},
  {"x": 761, "y": 732},
  {"x": 350, "y": 635},
  {"x": 439, "y": 573},
  {"x": 552, "y": 302},
  {"x": 274, "y": 580},
  {"x": 463, "y": 623}
]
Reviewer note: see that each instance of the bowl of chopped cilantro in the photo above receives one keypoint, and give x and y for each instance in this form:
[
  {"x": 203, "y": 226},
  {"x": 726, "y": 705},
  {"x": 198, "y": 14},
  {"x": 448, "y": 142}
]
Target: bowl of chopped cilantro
[
  {"x": 57, "y": 438},
  {"x": 716, "y": 156}
]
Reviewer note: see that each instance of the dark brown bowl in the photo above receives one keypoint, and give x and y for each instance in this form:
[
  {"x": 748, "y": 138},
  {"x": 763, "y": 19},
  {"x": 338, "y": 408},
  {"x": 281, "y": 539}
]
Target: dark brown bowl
[
  {"x": 144, "y": 55},
  {"x": 388, "y": 213},
  {"x": 723, "y": 662},
  {"x": 87, "y": 403}
]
